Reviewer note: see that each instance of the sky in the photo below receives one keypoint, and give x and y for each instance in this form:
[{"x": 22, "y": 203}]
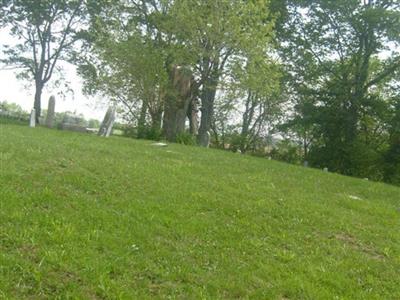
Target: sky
[{"x": 17, "y": 91}]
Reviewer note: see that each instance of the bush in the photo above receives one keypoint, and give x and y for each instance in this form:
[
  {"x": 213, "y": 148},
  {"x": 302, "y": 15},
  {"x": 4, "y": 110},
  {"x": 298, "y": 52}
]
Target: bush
[
  {"x": 13, "y": 120},
  {"x": 147, "y": 133},
  {"x": 129, "y": 131},
  {"x": 287, "y": 151},
  {"x": 392, "y": 162},
  {"x": 236, "y": 142},
  {"x": 153, "y": 134},
  {"x": 186, "y": 138}
]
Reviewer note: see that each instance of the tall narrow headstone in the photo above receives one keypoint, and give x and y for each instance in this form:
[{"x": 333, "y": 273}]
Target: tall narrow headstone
[
  {"x": 32, "y": 120},
  {"x": 51, "y": 112},
  {"x": 207, "y": 139},
  {"x": 108, "y": 122}
]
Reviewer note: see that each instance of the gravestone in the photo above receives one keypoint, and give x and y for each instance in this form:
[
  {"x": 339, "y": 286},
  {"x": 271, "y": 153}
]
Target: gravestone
[
  {"x": 326, "y": 170},
  {"x": 108, "y": 122},
  {"x": 305, "y": 164},
  {"x": 208, "y": 137},
  {"x": 51, "y": 112},
  {"x": 32, "y": 120}
]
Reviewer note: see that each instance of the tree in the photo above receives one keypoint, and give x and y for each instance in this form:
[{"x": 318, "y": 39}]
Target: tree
[
  {"x": 334, "y": 54},
  {"x": 177, "y": 101},
  {"x": 200, "y": 39},
  {"x": 46, "y": 32},
  {"x": 259, "y": 87},
  {"x": 392, "y": 156},
  {"x": 216, "y": 33},
  {"x": 130, "y": 72},
  {"x": 126, "y": 61}
]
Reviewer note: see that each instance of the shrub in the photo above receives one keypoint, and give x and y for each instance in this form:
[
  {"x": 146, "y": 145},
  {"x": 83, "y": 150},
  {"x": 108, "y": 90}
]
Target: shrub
[
  {"x": 286, "y": 151},
  {"x": 186, "y": 138},
  {"x": 154, "y": 134},
  {"x": 129, "y": 131}
]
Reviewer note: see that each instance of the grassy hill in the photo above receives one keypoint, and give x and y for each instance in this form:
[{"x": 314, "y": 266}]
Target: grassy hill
[{"x": 93, "y": 218}]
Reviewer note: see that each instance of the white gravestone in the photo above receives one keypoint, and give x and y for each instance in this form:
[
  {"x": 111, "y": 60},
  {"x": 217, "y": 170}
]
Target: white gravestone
[
  {"x": 108, "y": 122},
  {"x": 32, "y": 121}
]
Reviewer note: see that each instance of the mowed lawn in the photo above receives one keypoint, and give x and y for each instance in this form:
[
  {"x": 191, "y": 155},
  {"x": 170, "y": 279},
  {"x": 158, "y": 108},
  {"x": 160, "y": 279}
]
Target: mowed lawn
[{"x": 83, "y": 217}]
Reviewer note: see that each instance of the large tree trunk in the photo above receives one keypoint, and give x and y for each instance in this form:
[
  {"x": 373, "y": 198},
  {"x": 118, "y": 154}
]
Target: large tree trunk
[
  {"x": 169, "y": 118},
  {"x": 192, "y": 114},
  {"x": 174, "y": 118},
  {"x": 207, "y": 110},
  {"x": 156, "y": 120},
  {"x": 37, "y": 104},
  {"x": 180, "y": 118},
  {"x": 177, "y": 101}
]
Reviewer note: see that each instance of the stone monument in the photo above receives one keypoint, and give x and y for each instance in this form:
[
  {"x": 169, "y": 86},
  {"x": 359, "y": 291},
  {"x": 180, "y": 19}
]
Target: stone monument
[
  {"x": 108, "y": 122},
  {"x": 32, "y": 120},
  {"x": 51, "y": 112}
]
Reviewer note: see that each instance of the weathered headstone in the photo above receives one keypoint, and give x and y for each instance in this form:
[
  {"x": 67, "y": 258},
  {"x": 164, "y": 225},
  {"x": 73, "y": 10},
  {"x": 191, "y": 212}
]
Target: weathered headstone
[
  {"x": 51, "y": 112},
  {"x": 207, "y": 139},
  {"x": 326, "y": 170},
  {"x": 108, "y": 122},
  {"x": 32, "y": 120},
  {"x": 305, "y": 163},
  {"x": 204, "y": 139}
]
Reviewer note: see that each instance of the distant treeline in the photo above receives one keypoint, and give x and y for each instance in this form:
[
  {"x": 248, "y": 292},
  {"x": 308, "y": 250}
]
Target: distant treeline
[{"x": 14, "y": 112}]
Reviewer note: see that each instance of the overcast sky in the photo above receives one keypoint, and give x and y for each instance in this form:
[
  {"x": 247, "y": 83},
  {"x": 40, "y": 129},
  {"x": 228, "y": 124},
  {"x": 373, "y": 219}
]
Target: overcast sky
[{"x": 13, "y": 90}]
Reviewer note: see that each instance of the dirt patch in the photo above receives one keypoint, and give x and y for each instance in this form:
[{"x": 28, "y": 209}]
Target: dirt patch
[{"x": 355, "y": 244}]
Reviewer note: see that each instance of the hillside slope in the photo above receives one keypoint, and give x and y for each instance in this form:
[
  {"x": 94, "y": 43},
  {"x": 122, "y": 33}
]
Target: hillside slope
[{"x": 93, "y": 218}]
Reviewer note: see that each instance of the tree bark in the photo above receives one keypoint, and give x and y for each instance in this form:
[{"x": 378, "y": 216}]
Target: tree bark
[
  {"x": 207, "y": 97},
  {"x": 177, "y": 101},
  {"x": 156, "y": 120},
  {"x": 37, "y": 103},
  {"x": 142, "y": 121},
  {"x": 247, "y": 119},
  {"x": 192, "y": 114},
  {"x": 169, "y": 118}
]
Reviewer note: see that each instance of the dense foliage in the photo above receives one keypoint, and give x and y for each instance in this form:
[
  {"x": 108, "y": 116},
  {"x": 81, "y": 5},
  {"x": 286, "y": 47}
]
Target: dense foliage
[{"x": 343, "y": 60}]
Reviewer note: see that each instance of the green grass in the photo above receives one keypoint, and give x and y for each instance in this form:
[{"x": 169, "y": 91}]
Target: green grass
[{"x": 83, "y": 217}]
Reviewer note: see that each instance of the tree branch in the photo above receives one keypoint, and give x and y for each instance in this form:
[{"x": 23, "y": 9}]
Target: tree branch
[{"x": 385, "y": 73}]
